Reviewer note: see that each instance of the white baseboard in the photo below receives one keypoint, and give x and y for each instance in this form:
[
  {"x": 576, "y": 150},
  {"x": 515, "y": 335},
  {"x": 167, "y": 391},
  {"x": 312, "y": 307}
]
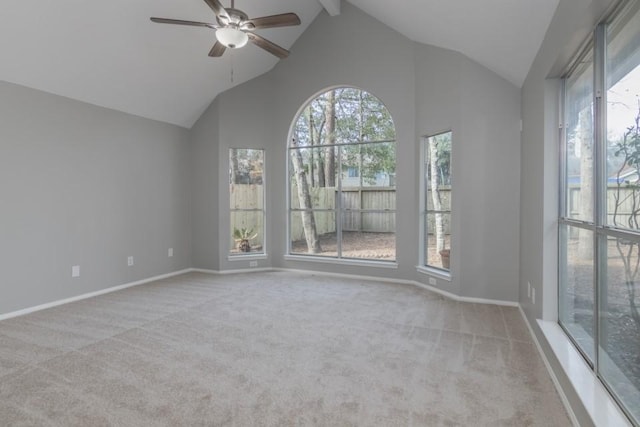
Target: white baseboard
[
  {"x": 224, "y": 272},
  {"x": 347, "y": 276},
  {"x": 552, "y": 374},
  {"x": 90, "y": 294},
  {"x": 466, "y": 299},
  {"x": 258, "y": 270},
  {"x": 372, "y": 278}
]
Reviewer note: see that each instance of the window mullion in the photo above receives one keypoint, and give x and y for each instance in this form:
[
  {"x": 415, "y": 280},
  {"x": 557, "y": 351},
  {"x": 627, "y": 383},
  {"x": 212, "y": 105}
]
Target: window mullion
[
  {"x": 600, "y": 208},
  {"x": 339, "y": 205},
  {"x": 562, "y": 205}
]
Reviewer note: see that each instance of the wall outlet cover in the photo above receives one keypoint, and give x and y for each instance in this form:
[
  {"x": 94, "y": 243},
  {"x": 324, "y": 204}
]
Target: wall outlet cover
[
  {"x": 432, "y": 281},
  {"x": 170, "y": 252},
  {"x": 130, "y": 261},
  {"x": 253, "y": 263},
  {"x": 75, "y": 271}
]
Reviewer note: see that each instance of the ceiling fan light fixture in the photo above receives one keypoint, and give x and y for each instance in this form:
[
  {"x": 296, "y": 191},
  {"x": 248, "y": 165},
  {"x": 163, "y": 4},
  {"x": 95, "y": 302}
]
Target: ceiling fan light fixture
[{"x": 232, "y": 38}]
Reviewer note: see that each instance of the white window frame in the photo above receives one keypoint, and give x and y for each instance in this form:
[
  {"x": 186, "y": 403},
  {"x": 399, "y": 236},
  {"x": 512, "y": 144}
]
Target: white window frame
[
  {"x": 422, "y": 266},
  {"x": 235, "y": 256},
  {"x": 340, "y": 259}
]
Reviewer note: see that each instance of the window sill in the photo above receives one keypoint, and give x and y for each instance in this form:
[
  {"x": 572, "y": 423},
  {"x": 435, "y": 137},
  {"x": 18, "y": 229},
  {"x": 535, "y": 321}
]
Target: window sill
[
  {"x": 329, "y": 260},
  {"x": 246, "y": 257},
  {"x": 600, "y": 406},
  {"x": 434, "y": 272}
]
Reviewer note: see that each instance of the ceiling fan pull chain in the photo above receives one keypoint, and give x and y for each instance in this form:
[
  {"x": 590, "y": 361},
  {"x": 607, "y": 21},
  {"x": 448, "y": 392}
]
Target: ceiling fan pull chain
[{"x": 231, "y": 59}]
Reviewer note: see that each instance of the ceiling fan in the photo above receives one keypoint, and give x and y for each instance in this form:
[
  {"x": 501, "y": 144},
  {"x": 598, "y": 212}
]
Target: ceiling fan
[{"x": 234, "y": 28}]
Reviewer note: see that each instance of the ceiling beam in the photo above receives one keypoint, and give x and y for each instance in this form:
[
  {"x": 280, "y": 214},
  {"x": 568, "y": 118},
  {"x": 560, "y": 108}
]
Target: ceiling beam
[{"x": 331, "y": 6}]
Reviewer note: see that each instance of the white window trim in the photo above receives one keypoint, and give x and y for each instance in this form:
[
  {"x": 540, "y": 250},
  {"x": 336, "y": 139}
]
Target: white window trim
[
  {"x": 434, "y": 272},
  {"x": 598, "y": 402},
  {"x": 263, "y": 253},
  {"x": 342, "y": 261},
  {"x": 240, "y": 257},
  {"x": 422, "y": 266},
  {"x": 332, "y": 260}
]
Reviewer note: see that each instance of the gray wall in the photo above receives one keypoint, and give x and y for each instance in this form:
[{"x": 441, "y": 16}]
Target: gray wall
[
  {"x": 83, "y": 185},
  {"x": 204, "y": 186},
  {"x": 571, "y": 24},
  {"x": 427, "y": 90}
]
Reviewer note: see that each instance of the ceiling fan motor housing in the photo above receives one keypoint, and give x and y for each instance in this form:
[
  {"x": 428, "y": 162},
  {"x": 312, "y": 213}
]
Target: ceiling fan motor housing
[{"x": 236, "y": 17}]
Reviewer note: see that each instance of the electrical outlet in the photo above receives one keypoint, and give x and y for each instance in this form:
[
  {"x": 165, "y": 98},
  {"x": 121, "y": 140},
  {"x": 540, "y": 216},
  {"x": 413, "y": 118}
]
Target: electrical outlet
[
  {"x": 170, "y": 252},
  {"x": 432, "y": 281},
  {"x": 130, "y": 261},
  {"x": 528, "y": 289},
  {"x": 253, "y": 263},
  {"x": 533, "y": 295},
  {"x": 75, "y": 271}
]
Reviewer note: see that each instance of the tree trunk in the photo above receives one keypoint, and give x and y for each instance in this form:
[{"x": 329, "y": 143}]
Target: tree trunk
[
  {"x": 304, "y": 197},
  {"x": 435, "y": 194},
  {"x": 321, "y": 180},
  {"x": 330, "y": 161},
  {"x": 235, "y": 170},
  {"x": 585, "y": 137}
]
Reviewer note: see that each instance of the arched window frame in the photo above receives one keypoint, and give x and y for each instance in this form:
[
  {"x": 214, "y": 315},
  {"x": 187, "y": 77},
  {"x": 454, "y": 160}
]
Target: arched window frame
[{"x": 338, "y": 213}]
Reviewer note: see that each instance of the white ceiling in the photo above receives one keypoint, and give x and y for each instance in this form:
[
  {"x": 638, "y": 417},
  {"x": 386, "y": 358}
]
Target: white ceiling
[
  {"x": 108, "y": 53},
  {"x": 502, "y": 35}
]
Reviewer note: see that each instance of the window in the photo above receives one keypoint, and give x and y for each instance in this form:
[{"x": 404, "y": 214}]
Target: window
[
  {"x": 246, "y": 196},
  {"x": 342, "y": 164},
  {"x": 599, "y": 274},
  {"x": 436, "y": 187}
]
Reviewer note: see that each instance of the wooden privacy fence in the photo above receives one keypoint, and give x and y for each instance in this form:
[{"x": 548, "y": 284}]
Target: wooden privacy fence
[
  {"x": 322, "y": 198},
  {"x": 375, "y": 198},
  {"x": 625, "y": 204},
  {"x": 244, "y": 196}
]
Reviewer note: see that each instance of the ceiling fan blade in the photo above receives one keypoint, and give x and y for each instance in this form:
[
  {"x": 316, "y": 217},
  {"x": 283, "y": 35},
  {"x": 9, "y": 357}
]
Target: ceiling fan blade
[
  {"x": 218, "y": 9},
  {"x": 272, "y": 21},
  {"x": 181, "y": 22},
  {"x": 217, "y": 50},
  {"x": 270, "y": 47}
]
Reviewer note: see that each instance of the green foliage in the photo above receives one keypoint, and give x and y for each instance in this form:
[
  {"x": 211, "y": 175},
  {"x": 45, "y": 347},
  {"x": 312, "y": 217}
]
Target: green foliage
[
  {"x": 443, "y": 160},
  {"x": 246, "y": 166},
  {"x": 629, "y": 146},
  {"x": 240, "y": 234},
  {"x": 364, "y": 133}
]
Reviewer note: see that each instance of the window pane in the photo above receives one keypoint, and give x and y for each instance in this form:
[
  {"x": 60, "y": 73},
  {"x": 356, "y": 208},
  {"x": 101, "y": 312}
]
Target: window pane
[
  {"x": 369, "y": 235},
  {"x": 623, "y": 113},
  {"x": 303, "y": 239},
  {"x": 246, "y": 178},
  {"x": 576, "y": 292},
  {"x": 314, "y": 178},
  {"x": 437, "y": 185},
  {"x": 246, "y": 196},
  {"x": 246, "y": 166},
  {"x": 368, "y": 165},
  {"x": 247, "y": 232},
  {"x": 246, "y": 200},
  {"x": 342, "y": 174},
  {"x": 620, "y": 322},
  {"x": 438, "y": 240},
  {"x": 579, "y": 142}
]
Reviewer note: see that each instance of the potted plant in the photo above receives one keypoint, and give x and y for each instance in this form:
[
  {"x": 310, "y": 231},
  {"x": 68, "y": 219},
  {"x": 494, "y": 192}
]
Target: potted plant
[
  {"x": 242, "y": 237},
  {"x": 444, "y": 256}
]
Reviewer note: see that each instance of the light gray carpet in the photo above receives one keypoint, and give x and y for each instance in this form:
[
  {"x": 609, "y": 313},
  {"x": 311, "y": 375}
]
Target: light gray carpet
[{"x": 273, "y": 349}]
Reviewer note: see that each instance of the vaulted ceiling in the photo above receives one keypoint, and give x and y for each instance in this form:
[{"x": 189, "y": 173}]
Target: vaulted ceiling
[{"x": 108, "y": 53}]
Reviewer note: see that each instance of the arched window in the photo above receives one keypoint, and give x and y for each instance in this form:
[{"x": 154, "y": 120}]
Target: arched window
[{"x": 342, "y": 178}]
